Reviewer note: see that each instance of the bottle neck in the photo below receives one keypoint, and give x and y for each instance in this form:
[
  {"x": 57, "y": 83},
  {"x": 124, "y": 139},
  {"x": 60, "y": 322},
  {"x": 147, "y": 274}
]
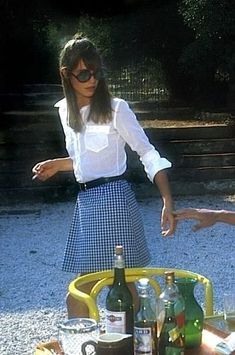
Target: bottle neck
[
  {"x": 169, "y": 309},
  {"x": 143, "y": 295},
  {"x": 170, "y": 292},
  {"x": 119, "y": 269},
  {"x": 144, "y": 302},
  {"x": 186, "y": 287},
  {"x": 170, "y": 282}
]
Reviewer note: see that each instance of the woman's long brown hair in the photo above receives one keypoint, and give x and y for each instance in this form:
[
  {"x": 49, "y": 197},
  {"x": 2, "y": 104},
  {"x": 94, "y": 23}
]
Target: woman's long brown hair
[{"x": 100, "y": 108}]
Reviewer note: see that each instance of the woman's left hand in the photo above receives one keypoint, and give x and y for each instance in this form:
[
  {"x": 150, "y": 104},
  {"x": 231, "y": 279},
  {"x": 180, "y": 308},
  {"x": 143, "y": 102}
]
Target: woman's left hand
[{"x": 168, "y": 222}]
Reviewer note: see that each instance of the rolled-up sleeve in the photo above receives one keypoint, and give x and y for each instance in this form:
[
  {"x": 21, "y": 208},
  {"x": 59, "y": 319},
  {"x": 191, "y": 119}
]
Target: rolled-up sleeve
[
  {"x": 133, "y": 134},
  {"x": 153, "y": 163}
]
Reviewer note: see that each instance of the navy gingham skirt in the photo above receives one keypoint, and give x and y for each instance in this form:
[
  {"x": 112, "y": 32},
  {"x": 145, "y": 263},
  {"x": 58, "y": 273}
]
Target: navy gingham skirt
[{"x": 105, "y": 216}]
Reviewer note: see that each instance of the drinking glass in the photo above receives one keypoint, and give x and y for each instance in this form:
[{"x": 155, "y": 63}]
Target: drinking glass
[
  {"x": 75, "y": 332},
  {"x": 229, "y": 309}
]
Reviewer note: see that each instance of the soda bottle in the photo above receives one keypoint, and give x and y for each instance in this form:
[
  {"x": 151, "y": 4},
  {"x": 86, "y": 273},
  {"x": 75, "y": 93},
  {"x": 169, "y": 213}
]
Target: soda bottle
[
  {"x": 119, "y": 301},
  {"x": 145, "y": 331}
]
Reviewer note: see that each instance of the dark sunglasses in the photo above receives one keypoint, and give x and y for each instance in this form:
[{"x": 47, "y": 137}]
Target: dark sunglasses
[{"x": 85, "y": 75}]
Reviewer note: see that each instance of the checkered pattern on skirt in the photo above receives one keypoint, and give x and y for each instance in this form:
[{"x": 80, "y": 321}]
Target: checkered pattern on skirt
[{"x": 105, "y": 216}]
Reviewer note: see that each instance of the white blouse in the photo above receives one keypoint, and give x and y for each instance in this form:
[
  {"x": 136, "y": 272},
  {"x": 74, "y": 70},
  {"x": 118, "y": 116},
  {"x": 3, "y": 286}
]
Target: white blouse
[{"x": 99, "y": 150}]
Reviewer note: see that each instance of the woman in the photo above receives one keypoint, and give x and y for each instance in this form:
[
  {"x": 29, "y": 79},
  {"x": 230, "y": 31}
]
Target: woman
[{"x": 96, "y": 128}]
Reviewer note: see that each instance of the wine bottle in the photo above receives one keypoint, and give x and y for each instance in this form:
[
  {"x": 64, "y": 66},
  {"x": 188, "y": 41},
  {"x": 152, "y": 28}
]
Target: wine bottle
[
  {"x": 119, "y": 301},
  {"x": 171, "y": 294},
  {"x": 170, "y": 340},
  {"x": 145, "y": 330}
]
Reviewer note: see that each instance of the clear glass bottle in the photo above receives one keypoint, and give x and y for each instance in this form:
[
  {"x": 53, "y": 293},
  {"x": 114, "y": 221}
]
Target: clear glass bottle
[
  {"x": 145, "y": 331},
  {"x": 119, "y": 301},
  {"x": 171, "y": 294}
]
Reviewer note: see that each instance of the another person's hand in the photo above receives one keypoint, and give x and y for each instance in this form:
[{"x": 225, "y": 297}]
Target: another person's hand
[
  {"x": 205, "y": 217},
  {"x": 168, "y": 222},
  {"x": 45, "y": 169}
]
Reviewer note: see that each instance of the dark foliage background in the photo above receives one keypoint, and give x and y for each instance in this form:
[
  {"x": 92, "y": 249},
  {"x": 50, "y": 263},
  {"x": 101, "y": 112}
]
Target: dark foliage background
[{"x": 194, "y": 42}]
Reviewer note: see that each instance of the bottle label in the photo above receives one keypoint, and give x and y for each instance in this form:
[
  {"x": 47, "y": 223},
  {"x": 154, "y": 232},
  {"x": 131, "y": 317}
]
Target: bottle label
[
  {"x": 174, "y": 334},
  {"x": 143, "y": 341},
  {"x": 115, "y": 322},
  {"x": 173, "y": 351}
]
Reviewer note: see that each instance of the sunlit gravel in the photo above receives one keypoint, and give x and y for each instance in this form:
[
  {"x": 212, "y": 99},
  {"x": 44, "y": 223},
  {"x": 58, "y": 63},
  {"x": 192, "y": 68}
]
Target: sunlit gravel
[{"x": 32, "y": 240}]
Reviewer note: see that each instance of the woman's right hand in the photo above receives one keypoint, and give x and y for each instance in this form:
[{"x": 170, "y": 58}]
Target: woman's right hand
[{"x": 45, "y": 169}]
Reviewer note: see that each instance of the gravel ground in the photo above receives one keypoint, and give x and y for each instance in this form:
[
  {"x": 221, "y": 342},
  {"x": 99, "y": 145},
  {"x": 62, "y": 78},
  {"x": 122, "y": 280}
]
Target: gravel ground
[{"x": 33, "y": 289}]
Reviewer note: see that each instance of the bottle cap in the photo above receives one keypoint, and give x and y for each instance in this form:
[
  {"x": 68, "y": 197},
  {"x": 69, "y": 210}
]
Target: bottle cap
[
  {"x": 169, "y": 276},
  {"x": 143, "y": 282},
  {"x": 119, "y": 250}
]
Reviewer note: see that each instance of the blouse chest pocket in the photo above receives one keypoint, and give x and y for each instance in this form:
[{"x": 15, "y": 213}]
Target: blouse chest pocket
[{"x": 96, "y": 137}]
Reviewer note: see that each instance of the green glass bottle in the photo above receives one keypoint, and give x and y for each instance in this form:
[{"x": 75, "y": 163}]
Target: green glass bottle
[
  {"x": 145, "y": 334},
  {"x": 119, "y": 301},
  {"x": 170, "y": 341},
  {"x": 194, "y": 315},
  {"x": 171, "y": 293}
]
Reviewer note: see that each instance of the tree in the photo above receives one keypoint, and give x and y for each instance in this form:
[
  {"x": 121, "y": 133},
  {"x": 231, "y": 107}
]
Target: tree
[
  {"x": 193, "y": 41},
  {"x": 210, "y": 58},
  {"x": 152, "y": 32}
]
